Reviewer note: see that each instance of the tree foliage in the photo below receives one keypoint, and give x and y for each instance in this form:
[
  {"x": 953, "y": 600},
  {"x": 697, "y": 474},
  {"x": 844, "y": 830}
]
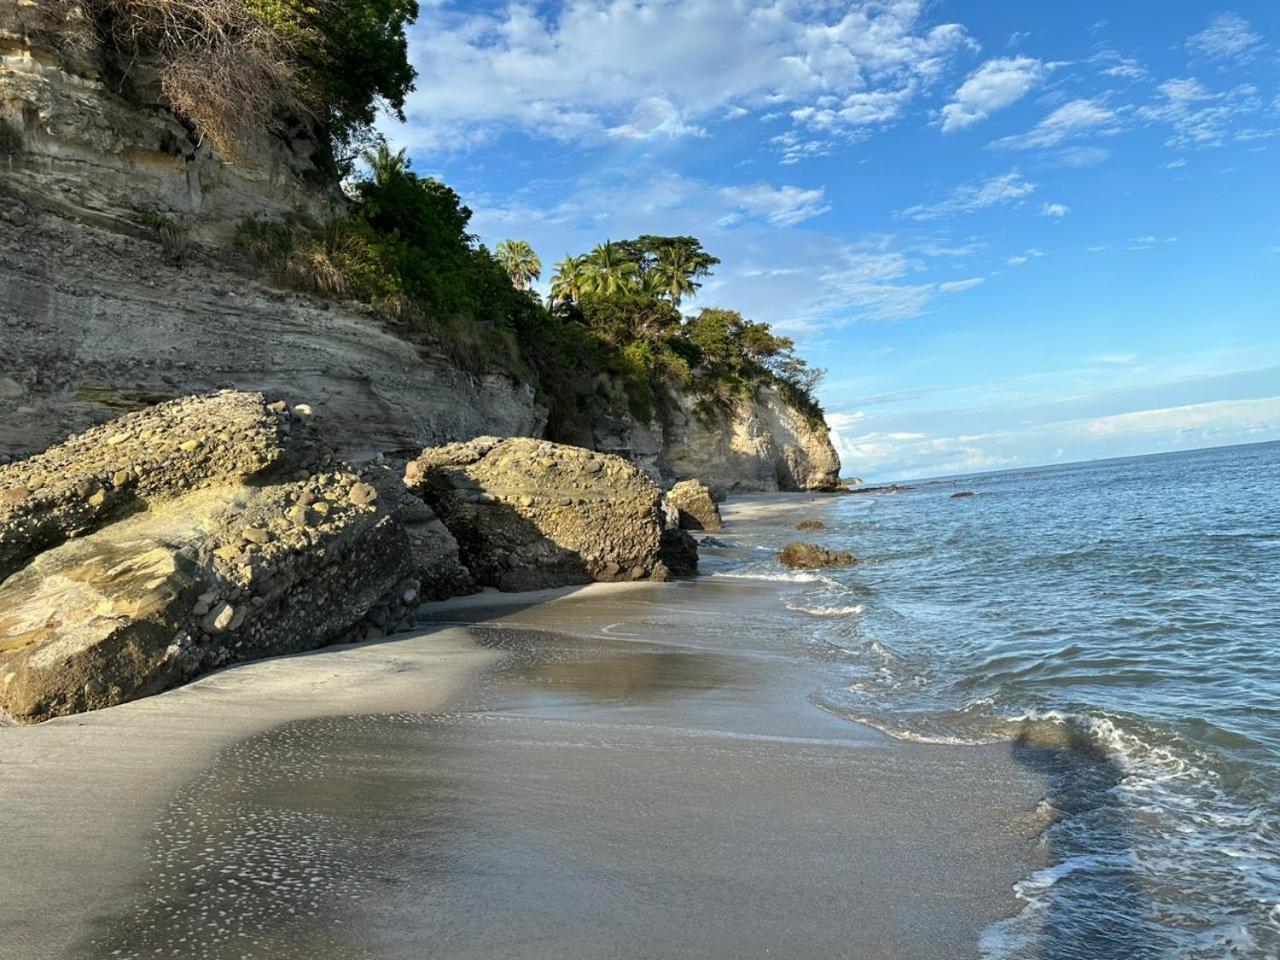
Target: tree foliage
[{"x": 236, "y": 66}]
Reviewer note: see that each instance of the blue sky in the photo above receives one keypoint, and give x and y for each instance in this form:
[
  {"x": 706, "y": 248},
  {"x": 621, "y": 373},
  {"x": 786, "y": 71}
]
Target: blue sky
[{"x": 1042, "y": 233}]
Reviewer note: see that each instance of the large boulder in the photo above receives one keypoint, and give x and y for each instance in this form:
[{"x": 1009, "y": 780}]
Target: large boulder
[
  {"x": 222, "y": 575},
  {"x": 157, "y": 454},
  {"x": 193, "y": 535},
  {"x": 697, "y": 507},
  {"x": 529, "y": 514}
]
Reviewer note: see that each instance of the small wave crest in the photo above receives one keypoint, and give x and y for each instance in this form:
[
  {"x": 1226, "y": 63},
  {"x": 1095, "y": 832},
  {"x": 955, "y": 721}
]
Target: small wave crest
[{"x": 815, "y": 610}]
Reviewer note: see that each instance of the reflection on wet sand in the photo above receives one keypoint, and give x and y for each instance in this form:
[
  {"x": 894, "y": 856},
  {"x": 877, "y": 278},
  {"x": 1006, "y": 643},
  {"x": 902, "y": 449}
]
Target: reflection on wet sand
[{"x": 596, "y": 797}]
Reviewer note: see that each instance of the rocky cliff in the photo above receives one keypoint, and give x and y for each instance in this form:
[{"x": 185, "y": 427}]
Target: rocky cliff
[
  {"x": 91, "y": 151},
  {"x": 758, "y": 443},
  {"x": 102, "y": 312}
]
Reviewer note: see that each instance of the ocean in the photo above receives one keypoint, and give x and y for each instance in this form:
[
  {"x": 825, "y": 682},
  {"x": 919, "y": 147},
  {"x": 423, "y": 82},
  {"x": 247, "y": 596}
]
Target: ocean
[{"x": 1118, "y": 623}]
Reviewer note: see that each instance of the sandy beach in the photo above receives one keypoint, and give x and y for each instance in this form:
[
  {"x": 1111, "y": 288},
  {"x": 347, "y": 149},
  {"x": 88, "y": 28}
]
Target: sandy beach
[{"x": 628, "y": 770}]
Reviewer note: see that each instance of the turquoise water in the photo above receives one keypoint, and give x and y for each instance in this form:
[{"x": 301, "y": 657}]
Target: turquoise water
[{"x": 1118, "y": 622}]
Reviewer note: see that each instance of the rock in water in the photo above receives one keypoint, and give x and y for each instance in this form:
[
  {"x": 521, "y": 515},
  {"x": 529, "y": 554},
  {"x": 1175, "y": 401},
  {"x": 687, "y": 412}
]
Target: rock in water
[
  {"x": 808, "y": 556},
  {"x": 698, "y": 510},
  {"x": 810, "y": 525},
  {"x": 529, "y": 514}
]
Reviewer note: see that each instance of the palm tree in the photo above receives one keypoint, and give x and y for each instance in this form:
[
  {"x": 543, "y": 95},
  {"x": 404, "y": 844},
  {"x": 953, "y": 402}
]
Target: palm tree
[
  {"x": 521, "y": 263},
  {"x": 674, "y": 272},
  {"x": 567, "y": 283},
  {"x": 385, "y": 165},
  {"x": 608, "y": 271}
]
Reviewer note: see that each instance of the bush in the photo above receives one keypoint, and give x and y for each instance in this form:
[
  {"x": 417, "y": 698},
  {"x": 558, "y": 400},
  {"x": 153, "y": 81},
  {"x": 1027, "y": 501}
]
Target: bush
[{"x": 237, "y": 66}]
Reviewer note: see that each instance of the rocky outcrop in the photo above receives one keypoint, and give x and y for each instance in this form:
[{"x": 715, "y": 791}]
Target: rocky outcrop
[
  {"x": 90, "y": 149},
  {"x": 695, "y": 506},
  {"x": 95, "y": 324},
  {"x": 172, "y": 541},
  {"x": 760, "y": 444},
  {"x": 159, "y": 454},
  {"x": 808, "y": 556},
  {"x": 529, "y": 514}
]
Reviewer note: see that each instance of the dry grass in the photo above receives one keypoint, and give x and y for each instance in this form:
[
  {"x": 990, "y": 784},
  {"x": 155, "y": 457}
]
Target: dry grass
[{"x": 218, "y": 64}]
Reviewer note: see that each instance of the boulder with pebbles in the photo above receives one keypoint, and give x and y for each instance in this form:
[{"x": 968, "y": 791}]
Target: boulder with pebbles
[
  {"x": 809, "y": 556},
  {"x": 157, "y": 454},
  {"x": 530, "y": 514},
  {"x": 697, "y": 506},
  {"x": 248, "y": 563}
]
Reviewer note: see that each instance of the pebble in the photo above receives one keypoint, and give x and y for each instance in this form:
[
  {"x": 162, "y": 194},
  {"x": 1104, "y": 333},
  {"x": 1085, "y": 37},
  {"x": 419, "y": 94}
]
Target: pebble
[
  {"x": 257, "y": 535},
  {"x": 362, "y": 494}
]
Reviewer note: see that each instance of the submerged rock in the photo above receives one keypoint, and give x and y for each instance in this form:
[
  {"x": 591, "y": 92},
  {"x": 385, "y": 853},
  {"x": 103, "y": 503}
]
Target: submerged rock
[
  {"x": 809, "y": 525},
  {"x": 529, "y": 514},
  {"x": 696, "y": 506},
  {"x": 809, "y": 556}
]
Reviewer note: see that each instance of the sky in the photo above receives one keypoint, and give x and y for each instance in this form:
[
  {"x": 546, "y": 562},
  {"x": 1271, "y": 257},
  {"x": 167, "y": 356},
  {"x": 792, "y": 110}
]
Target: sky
[{"x": 1042, "y": 233}]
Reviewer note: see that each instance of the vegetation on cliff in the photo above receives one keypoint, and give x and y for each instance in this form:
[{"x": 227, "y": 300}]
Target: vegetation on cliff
[
  {"x": 233, "y": 67},
  {"x": 613, "y": 315}
]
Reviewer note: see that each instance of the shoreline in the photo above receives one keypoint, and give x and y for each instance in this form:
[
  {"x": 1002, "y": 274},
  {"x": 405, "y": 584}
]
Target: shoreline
[{"x": 914, "y": 841}]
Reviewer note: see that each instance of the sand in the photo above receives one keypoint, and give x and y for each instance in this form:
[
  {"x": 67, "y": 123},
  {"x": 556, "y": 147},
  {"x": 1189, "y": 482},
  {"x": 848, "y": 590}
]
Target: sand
[{"x": 620, "y": 771}]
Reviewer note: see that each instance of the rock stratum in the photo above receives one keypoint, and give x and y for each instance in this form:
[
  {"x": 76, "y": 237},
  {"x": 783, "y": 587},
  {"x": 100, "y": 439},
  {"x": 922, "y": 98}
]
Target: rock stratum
[
  {"x": 214, "y": 529},
  {"x": 98, "y": 317}
]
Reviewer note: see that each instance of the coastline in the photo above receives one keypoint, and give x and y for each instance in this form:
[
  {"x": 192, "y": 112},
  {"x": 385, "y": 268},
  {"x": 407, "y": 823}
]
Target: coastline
[{"x": 565, "y": 773}]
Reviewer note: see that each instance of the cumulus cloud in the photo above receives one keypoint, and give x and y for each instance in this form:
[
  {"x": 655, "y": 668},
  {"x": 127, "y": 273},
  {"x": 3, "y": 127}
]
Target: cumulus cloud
[
  {"x": 1072, "y": 119},
  {"x": 1007, "y": 188},
  {"x": 590, "y": 70},
  {"x": 994, "y": 85},
  {"x": 1227, "y": 37},
  {"x": 781, "y": 206},
  {"x": 1055, "y": 210}
]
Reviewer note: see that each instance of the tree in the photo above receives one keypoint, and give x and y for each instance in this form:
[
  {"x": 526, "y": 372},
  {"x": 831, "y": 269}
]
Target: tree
[
  {"x": 385, "y": 166},
  {"x": 520, "y": 261},
  {"x": 608, "y": 270},
  {"x": 568, "y": 282}
]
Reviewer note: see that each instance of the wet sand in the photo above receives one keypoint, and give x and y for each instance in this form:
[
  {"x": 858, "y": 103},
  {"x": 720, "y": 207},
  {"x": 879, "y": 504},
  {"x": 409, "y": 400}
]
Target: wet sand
[
  {"x": 81, "y": 797},
  {"x": 614, "y": 771}
]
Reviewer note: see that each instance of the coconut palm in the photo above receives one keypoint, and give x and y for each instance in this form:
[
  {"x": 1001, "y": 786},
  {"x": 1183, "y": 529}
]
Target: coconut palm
[
  {"x": 608, "y": 271},
  {"x": 674, "y": 271},
  {"x": 385, "y": 165},
  {"x": 521, "y": 263},
  {"x": 567, "y": 283}
]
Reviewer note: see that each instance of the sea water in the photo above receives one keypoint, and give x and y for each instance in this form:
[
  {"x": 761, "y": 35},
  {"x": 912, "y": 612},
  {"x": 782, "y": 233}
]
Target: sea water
[{"x": 1118, "y": 623}]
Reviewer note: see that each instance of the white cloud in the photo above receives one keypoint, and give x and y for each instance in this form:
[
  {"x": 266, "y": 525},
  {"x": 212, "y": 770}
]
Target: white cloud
[
  {"x": 1199, "y": 117},
  {"x": 1115, "y": 359},
  {"x": 781, "y": 206},
  {"x": 1020, "y": 259},
  {"x": 1055, "y": 210},
  {"x": 1208, "y": 421},
  {"x": 1073, "y": 119},
  {"x": 1228, "y": 37},
  {"x": 970, "y": 197},
  {"x": 957, "y": 286},
  {"x": 589, "y": 70},
  {"x": 994, "y": 85}
]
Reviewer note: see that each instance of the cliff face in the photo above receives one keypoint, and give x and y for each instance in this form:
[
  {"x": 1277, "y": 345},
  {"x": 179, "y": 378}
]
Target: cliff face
[
  {"x": 93, "y": 323},
  {"x": 105, "y": 157},
  {"x": 96, "y": 319},
  {"x": 761, "y": 444}
]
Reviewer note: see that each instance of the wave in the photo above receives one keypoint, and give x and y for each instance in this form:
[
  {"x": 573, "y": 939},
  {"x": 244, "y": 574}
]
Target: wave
[
  {"x": 817, "y": 611},
  {"x": 792, "y": 577}
]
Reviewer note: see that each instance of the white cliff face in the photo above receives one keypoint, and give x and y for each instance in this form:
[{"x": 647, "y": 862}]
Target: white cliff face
[
  {"x": 89, "y": 151},
  {"x": 762, "y": 444},
  {"x": 94, "y": 323}
]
